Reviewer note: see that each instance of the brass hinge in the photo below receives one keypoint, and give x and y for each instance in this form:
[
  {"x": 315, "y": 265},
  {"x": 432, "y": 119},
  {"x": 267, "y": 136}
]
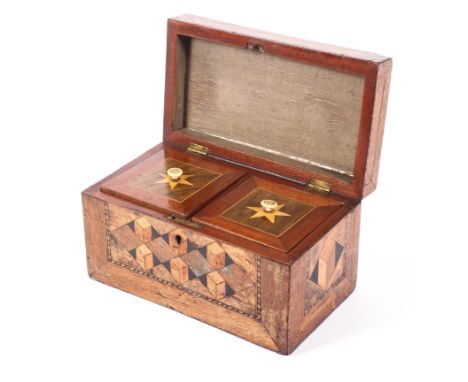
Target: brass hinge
[
  {"x": 198, "y": 149},
  {"x": 320, "y": 185},
  {"x": 186, "y": 222}
]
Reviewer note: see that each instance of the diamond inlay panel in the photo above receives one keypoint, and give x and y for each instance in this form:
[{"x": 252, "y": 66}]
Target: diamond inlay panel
[{"x": 326, "y": 268}]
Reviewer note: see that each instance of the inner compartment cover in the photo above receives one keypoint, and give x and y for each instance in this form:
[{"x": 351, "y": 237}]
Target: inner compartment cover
[
  {"x": 298, "y": 212},
  {"x": 148, "y": 184}
]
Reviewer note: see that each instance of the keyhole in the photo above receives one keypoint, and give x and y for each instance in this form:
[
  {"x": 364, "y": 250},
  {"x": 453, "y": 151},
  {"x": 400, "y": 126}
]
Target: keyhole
[{"x": 178, "y": 239}]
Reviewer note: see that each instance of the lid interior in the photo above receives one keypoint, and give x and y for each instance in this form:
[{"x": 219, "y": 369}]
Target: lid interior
[{"x": 287, "y": 111}]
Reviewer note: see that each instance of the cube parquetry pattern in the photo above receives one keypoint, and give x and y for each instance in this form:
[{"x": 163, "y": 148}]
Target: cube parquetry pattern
[{"x": 209, "y": 269}]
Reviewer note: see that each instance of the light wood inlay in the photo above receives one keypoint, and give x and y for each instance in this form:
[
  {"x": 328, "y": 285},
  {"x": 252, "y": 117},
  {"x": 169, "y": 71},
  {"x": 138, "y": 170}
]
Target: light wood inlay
[
  {"x": 215, "y": 256},
  {"x": 179, "y": 270},
  {"x": 143, "y": 229},
  {"x": 216, "y": 285},
  {"x": 144, "y": 257}
]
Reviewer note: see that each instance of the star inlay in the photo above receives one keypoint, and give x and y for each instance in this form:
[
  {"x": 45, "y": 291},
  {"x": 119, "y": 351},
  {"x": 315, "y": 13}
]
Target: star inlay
[
  {"x": 173, "y": 183},
  {"x": 270, "y": 215}
]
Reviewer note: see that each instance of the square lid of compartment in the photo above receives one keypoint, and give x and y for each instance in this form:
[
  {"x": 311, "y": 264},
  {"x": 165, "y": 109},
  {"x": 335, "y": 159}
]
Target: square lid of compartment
[
  {"x": 299, "y": 109},
  {"x": 173, "y": 182},
  {"x": 295, "y": 214}
]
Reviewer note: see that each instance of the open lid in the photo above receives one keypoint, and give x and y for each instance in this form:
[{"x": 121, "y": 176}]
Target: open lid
[{"x": 306, "y": 111}]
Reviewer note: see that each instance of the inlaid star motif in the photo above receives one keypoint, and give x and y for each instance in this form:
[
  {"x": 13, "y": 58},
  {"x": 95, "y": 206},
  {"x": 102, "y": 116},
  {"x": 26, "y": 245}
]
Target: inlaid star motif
[
  {"x": 174, "y": 183},
  {"x": 271, "y": 215}
]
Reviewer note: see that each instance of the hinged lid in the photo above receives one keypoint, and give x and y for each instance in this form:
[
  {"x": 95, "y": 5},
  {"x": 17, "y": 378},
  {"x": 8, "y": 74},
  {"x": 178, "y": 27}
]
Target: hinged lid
[
  {"x": 320, "y": 185},
  {"x": 197, "y": 149},
  {"x": 305, "y": 111}
]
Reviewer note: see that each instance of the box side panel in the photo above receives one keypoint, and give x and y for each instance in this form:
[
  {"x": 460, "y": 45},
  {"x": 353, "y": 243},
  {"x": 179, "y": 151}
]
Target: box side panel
[
  {"x": 174, "y": 266},
  {"x": 323, "y": 277}
]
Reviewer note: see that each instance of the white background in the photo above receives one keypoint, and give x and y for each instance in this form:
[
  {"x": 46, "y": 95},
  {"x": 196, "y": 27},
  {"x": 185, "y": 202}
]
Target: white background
[{"x": 81, "y": 93}]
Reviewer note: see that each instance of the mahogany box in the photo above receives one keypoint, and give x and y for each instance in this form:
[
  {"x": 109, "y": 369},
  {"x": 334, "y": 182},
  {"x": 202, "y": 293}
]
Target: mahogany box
[{"x": 246, "y": 216}]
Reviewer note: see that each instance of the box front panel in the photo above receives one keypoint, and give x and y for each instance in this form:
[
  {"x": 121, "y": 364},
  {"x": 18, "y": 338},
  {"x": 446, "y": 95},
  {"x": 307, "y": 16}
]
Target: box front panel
[{"x": 178, "y": 267}]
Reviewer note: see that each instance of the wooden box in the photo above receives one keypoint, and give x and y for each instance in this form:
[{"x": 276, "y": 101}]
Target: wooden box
[{"x": 247, "y": 215}]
